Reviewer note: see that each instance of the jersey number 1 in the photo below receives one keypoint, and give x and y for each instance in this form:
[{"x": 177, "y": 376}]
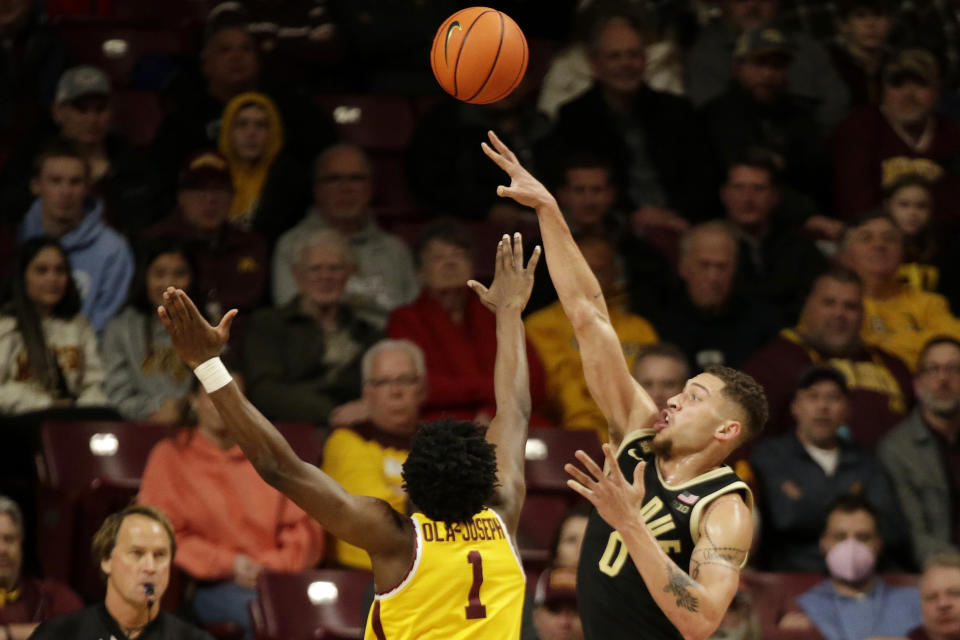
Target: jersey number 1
[{"x": 475, "y": 610}]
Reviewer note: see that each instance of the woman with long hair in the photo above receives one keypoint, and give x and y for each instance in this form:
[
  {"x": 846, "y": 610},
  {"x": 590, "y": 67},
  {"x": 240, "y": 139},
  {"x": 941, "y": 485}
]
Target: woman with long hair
[
  {"x": 48, "y": 350},
  {"x": 145, "y": 379}
]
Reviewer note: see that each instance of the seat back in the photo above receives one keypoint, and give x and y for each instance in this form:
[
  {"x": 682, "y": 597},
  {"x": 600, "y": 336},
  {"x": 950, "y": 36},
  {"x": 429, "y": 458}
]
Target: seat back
[
  {"x": 375, "y": 122},
  {"x": 548, "y": 449},
  {"x": 323, "y": 603}
]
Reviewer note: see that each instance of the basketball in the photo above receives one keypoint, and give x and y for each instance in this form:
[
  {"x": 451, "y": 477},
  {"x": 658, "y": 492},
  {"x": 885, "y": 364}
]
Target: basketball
[{"x": 479, "y": 55}]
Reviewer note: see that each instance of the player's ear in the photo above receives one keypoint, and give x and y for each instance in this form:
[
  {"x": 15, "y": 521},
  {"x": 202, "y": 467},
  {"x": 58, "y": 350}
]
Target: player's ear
[{"x": 729, "y": 430}]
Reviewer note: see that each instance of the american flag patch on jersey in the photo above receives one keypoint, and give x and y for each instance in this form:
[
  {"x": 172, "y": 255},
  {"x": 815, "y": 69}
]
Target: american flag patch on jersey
[{"x": 688, "y": 498}]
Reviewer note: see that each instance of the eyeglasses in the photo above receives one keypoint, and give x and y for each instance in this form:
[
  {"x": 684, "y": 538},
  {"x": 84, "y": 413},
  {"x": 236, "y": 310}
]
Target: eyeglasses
[
  {"x": 402, "y": 381},
  {"x": 948, "y": 369},
  {"x": 343, "y": 178}
]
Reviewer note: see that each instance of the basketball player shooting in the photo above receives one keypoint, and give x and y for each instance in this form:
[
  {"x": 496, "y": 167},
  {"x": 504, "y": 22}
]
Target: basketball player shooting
[
  {"x": 683, "y": 517},
  {"x": 450, "y": 570}
]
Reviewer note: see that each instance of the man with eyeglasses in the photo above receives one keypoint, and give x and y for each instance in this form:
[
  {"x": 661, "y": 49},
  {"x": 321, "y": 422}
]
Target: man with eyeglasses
[
  {"x": 366, "y": 456},
  {"x": 384, "y": 276},
  {"x": 922, "y": 455}
]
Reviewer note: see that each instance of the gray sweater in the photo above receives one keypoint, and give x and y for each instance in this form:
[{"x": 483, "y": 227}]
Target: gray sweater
[{"x": 138, "y": 382}]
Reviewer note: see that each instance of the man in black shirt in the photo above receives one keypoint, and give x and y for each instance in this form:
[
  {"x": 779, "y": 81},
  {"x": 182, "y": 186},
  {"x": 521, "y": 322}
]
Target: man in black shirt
[
  {"x": 685, "y": 510},
  {"x": 135, "y": 548}
]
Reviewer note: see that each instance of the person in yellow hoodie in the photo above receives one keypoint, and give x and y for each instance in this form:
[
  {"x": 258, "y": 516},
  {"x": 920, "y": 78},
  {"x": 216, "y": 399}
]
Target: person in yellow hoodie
[
  {"x": 552, "y": 335},
  {"x": 270, "y": 191},
  {"x": 897, "y": 317}
]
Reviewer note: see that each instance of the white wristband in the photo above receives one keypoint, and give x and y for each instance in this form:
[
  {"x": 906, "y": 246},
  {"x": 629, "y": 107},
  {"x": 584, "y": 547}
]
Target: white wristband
[{"x": 212, "y": 375}]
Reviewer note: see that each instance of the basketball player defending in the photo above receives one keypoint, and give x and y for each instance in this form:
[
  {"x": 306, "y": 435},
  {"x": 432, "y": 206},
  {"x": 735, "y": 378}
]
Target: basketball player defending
[
  {"x": 450, "y": 570},
  {"x": 685, "y": 518}
]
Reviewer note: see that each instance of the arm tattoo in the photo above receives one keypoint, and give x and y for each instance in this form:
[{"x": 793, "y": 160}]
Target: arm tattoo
[
  {"x": 729, "y": 557},
  {"x": 677, "y": 584}
]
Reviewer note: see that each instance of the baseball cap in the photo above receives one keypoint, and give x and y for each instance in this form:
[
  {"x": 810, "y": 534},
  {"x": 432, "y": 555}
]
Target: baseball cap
[
  {"x": 912, "y": 63},
  {"x": 206, "y": 169},
  {"x": 818, "y": 373},
  {"x": 80, "y": 82},
  {"x": 556, "y": 586},
  {"x": 767, "y": 40}
]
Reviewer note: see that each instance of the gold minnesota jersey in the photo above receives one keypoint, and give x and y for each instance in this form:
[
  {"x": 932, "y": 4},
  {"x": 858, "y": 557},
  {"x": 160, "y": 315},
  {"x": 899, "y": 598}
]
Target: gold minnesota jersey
[{"x": 466, "y": 582}]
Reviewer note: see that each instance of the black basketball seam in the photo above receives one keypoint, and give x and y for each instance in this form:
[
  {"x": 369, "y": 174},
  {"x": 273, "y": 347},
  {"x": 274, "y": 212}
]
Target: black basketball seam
[
  {"x": 495, "y": 59},
  {"x": 456, "y": 65},
  {"x": 513, "y": 85}
]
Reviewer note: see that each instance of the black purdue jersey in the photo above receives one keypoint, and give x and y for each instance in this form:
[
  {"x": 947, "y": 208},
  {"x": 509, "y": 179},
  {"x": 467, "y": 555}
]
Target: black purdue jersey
[{"x": 613, "y": 599}]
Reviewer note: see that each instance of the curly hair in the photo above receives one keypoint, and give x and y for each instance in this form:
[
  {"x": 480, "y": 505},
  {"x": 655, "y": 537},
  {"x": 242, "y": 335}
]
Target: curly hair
[{"x": 451, "y": 471}]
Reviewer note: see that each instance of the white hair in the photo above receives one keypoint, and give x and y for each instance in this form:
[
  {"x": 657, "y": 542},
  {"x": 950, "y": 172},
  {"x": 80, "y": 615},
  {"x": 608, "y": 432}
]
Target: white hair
[
  {"x": 419, "y": 363},
  {"x": 328, "y": 238}
]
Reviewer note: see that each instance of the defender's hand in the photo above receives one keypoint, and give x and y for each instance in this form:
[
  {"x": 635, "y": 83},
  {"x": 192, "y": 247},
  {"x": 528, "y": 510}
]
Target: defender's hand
[
  {"x": 193, "y": 338},
  {"x": 617, "y": 501},
  {"x": 512, "y": 283},
  {"x": 524, "y": 188}
]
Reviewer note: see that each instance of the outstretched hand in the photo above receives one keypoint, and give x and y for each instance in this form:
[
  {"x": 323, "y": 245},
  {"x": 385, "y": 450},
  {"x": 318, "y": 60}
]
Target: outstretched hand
[
  {"x": 512, "y": 283},
  {"x": 617, "y": 501},
  {"x": 524, "y": 188},
  {"x": 194, "y": 339}
]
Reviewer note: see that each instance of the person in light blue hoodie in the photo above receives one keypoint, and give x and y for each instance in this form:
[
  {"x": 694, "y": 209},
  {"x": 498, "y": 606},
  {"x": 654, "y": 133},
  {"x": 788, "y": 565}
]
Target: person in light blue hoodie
[{"x": 101, "y": 258}]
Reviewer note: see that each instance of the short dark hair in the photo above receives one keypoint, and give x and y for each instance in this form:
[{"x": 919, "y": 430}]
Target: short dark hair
[
  {"x": 746, "y": 392},
  {"x": 851, "y": 503},
  {"x": 59, "y": 148},
  {"x": 755, "y": 158},
  {"x": 586, "y": 159},
  {"x": 818, "y": 373},
  {"x": 105, "y": 539},
  {"x": 663, "y": 350},
  {"x": 933, "y": 342},
  {"x": 451, "y": 471},
  {"x": 448, "y": 230}
]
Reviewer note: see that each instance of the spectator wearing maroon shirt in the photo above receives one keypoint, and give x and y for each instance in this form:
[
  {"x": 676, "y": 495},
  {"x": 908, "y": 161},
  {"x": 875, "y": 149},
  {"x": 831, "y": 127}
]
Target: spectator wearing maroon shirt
[
  {"x": 829, "y": 333},
  {"x": 875, "y": 145},
  {"x": 25, "y": 602}
]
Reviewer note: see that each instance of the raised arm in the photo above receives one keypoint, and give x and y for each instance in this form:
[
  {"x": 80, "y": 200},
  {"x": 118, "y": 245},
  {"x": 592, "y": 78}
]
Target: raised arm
[
  {"x": 506, "y": 297},
  {"x": 622, "y": 400},
  {"x": 694, "y": 602},
  {"x": 362, "y": 521}
]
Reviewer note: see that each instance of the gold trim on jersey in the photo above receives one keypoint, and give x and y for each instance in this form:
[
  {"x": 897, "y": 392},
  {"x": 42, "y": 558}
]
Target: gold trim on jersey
[
  {"x": 703, "y": 477},
  {"x": 633, "y": 436},
  {"x": 412, "y": 571},
  {"x": 702, "y": 503}
]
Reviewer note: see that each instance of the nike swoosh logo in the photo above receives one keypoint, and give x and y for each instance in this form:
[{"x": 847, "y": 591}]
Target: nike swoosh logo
[{"x": 453, "y": 25}]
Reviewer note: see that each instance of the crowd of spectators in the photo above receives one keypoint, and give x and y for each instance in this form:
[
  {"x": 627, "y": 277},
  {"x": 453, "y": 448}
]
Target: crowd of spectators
[{"x": 766, "y": 184}]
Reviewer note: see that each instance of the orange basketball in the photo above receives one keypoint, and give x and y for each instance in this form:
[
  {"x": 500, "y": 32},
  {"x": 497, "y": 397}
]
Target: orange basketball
[{"x": 479, "y": 55}]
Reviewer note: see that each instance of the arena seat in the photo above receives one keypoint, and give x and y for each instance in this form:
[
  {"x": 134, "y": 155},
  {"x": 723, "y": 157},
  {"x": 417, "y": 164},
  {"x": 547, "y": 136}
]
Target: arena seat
[
  {"x": 375, "y": 122},
  {"x": 548, "y": 449},
  {"x": 117, "y": 47},
  {"x": 539, "y": 519},
  {"x": 137, "y": 115},
  {"x": 323, "y": 603}
]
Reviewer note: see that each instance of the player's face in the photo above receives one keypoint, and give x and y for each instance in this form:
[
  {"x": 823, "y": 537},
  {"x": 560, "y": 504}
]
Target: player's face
[
  {"x": 141, "y": 555},
  {"x": 557, "y": 622},
  {"x": 820, "y": 410},
  {"x": 692, "y": 417},
  {"x": 662, "y": 377},
  {"x": 875, "y": 248},
  {"x": 445, "y": 266},
  {"x": 342, "y": 187},
  {"x": 166, "y": 270},
  {"x": 833, "y": 314},
  {"x": 587, "y": 196},
  {"x": 619, "y": 59},
  {"x": 940, "y": 602},
  {"x": 322, "y": 275},
  {"x": 570, "y": 542},
  {"x": 394, "y": 391},
  {"x": 937, "y": 383},
  {"x": 11, "y": 552},
  {"x": 911, "y": 207},
  {"x": 856, "y": 524},
  {"x": 61, "y": 187},
  {"x": 749, "y": 196}
]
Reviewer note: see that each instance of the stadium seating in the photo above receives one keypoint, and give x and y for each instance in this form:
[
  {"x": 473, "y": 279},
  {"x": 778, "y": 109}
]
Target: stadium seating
[
  {"x": 325, "y": 603},
  {"x": 375, "y": 122},
  {"x": 548, "y": 450},
  {"x": 137, "y": 115}
]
